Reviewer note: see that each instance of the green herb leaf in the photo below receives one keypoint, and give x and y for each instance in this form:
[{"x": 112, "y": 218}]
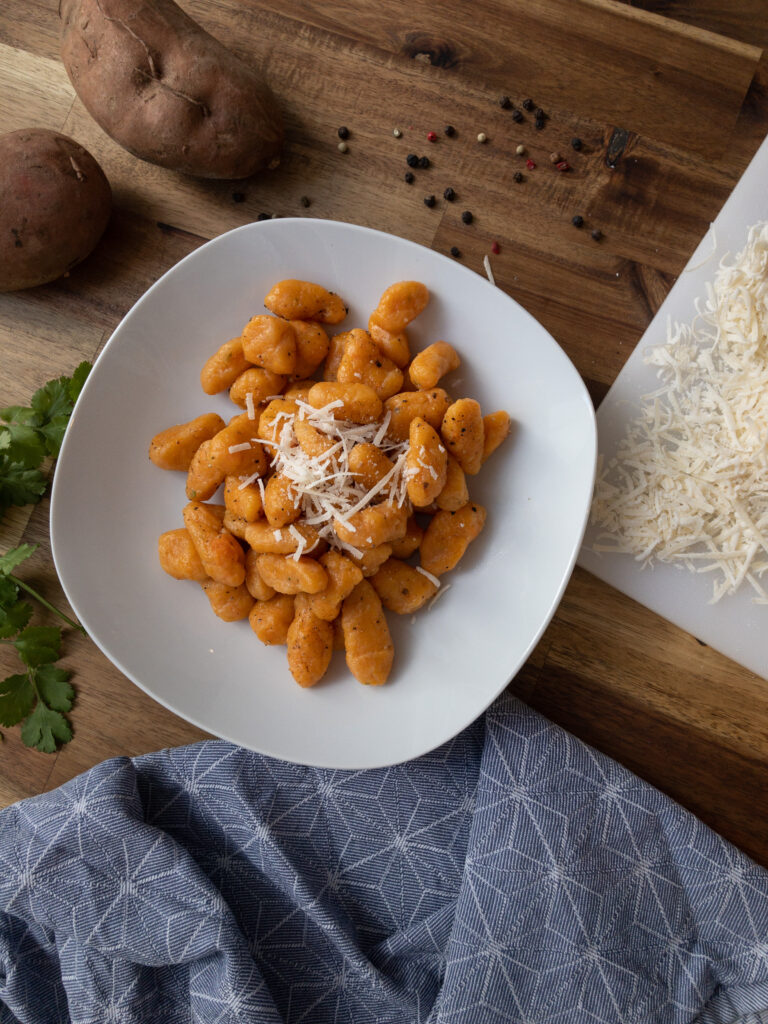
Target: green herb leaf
[
  {"x": 16, "y": 699},
  {"x": 9, "y": 593},
  {"x": 38, "y": 645},
  {"x": 17, "y": 414},
  {"x": 79, "y": 378},
  {"x": 44, "y": 728},
  {"x": 15, "y": 556},
  {"x": 52, "y": 399},
  {"x": 53, "y": 687},
  {"x": 25, "y": 447},
  {"x": 18, "y": 485},
  {"x": 14, "y": 618}
]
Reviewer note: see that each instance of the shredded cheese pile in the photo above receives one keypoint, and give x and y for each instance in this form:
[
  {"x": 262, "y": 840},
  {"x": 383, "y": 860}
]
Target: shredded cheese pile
[
  {"x": 324, "y": 487},
  {"x": 689, "y": 483}
]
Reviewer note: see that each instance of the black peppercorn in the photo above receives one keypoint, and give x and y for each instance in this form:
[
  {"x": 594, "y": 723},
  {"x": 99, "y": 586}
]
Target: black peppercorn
[
  {"x": 576, "y": 144},
  {"x": 306, "y": 201},
  {"x": 412, "y": 160},
  {"x": 597, "y": 234},
  {"x": 450, "y": 131},
  {"x": 429, "y": 201},
  {"x": 424, "y": 162},
  {"x": 505, "y": 102},
  {"x": 264, "y": 216},
  {"x": 449, "y": 194},
  {"x": 528, "y": 104},
  {"x": 539, "y": 123},
  {"x": 577, "y": 221},
  {"x": 238, "y": 197},
  {"x": 410, "y": 177},
  {"x": 467, "y": 217},
  {"x": 455, "y": 251},
  {"x": 517, "y": 116},
  {"x": 539, "y": 113},
  {"x": 518, "y": 177},
  {"x": 343, "y": 133}
]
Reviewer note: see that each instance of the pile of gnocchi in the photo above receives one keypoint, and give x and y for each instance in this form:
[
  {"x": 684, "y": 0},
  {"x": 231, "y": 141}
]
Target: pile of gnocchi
[{"x": 343, "y": 474}]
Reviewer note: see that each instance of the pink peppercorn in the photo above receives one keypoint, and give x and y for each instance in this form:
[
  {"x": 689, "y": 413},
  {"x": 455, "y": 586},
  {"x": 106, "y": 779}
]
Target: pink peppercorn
[
  {"x": 530, "y": 164},
  {"x": 563, "y": 166},
  {"x": 432, "y": 136},
  {"x": 496, "y": 248}
]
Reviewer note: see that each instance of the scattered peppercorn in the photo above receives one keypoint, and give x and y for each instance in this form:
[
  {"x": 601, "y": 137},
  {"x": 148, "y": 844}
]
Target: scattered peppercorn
[
  {"x": 432, "y": 136},
  {"x": 528, "y": 104},
  {"x": 455, "y": 251},
  {"x": 306, "y": 201},
  {"x": 555, "y": 158},
  {"x": 342, "y": 147},
  {"x": 563, "y": 165},
  {"x": 520, "y": 150},
  {"x": 577, "y": 221},
  {"x": 264, "y": 216},
  {"x": 539, "y": 123},
  {"x": 410, "y": 177},
  {"x": 412, "y": 160},
  {"x": 238, "y": 197},
  {"x": 505, "y": 102},
  {"x": 343, "y": 133},
  {"x": 496, "y": 248},
  {"x": 397, "y": 133},
  {"x": 449, "y": 194},
  {"x": 450, "y": 131},
  {"x": 518, "y": 177},
  {"x": 467, "y": 217},
  {"x": 597, "y": 234},
  {"x": 530, "y": 164},
  {"x": 482, "y": 137},
  {"x": 576, "y": 144},
  {"x": 424, "y": 162},
  {"x": 539, "y": 114},
  {"x": 429, "y": 201},
  {"x": 517, "y": 116}
]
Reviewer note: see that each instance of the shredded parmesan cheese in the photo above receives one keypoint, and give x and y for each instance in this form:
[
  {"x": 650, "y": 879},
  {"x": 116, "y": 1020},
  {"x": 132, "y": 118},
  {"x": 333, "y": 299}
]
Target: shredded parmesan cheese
[
  {"x": 488, "y": 271},
  {"x": 249, "y": 406},
  {"x": 244, "y": 447},
  {"x": 689, "y": 482},
  {"x": 430, "y": 577}
]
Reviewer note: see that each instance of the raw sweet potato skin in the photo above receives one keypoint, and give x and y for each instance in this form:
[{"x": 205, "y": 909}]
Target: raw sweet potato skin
[
  {"x": 166, "y": 91},
  {"x": 54, "y": 206}
]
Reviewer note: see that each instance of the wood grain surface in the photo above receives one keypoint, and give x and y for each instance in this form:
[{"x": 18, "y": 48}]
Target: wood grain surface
[{"x": 671, "y": 101}]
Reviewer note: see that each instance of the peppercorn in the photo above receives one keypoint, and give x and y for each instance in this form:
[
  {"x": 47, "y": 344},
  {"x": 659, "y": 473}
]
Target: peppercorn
[
  {"x": 539, "y": 114},
  {"x": 528, "y": 104},
  {"x": 450, "y": 131},
  {"x": 410, "y": 177},
  {"x": 563, "y": 165},
  {"x": 264, "y": 216},
  {"x": 517, "y": 116},
  {"x": 412, "y": 160},
  {"x": 530, "y": 164},
  {"x": 455, "y": 251},
  {"x": 424, "y": 162},
  {"x": 539, "y": 123},
  {"x": 467, "y": 217},
  {"x": 597, "y": 234},
  {"x": 397, "y": 133},
  {"x": 555, "y": 158},
  {"x": 449, "y": 194},
  {"x": 496, "y": 248},
  {"x": 432, "y": 136},
  {"x": 429, "y": 201},
  {"x": 482, "y": 137},
  {"x": 306, "y": 201},
  {"x": 238, "y": 197},
  {"x": 517, "y": 177},
  {"x": 505, "y": 102},
  {"x": 342, "y": 147},
  {"x": 577, "y": 221},
  {"x": 576, "y": 144},
  {"x": 520, "y": 150},
  {"x": 343, "y": 133}
]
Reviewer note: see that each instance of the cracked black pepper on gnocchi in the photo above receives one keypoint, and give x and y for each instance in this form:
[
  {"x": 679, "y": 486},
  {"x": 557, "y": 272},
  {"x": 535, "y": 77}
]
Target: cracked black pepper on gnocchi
[{"x": 347, "y": 460}]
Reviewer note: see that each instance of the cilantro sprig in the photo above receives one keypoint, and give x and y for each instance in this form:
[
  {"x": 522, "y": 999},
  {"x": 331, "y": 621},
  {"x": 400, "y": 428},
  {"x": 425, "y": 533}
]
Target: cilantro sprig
[
  {"x": 31, "y": 433},
  {"x": 40, "y": 696}
]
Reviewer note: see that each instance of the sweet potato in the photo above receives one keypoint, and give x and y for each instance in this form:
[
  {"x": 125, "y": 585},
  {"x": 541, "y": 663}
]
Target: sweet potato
[
  {"x": 54, "y": 206},
  {"x": 166, "y": 91}
]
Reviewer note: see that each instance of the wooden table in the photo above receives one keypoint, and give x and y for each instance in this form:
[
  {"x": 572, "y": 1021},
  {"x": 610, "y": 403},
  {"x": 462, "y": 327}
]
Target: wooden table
[{"x": 670, "y": 109}]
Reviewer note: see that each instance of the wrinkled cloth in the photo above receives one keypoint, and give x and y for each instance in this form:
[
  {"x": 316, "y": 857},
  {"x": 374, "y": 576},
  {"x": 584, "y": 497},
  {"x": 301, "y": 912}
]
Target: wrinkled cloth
[{"x": 513, "y": 875}]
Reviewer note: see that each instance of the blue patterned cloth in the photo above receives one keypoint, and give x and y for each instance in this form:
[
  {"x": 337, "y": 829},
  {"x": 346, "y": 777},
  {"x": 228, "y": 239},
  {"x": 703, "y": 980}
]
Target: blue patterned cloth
[{"x": 514, "y": 875}]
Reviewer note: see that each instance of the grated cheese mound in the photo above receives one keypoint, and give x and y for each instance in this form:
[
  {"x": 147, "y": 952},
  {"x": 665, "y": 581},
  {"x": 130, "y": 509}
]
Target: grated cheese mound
[
  {"x": 324, "y": 487},
  {"x": 689, "y": 483}
]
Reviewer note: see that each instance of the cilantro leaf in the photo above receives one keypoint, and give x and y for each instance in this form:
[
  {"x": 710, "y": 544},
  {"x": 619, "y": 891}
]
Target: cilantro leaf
[
  {"x": 19, "y": 486},
  {"x": 16, "y": 699},
  {"x": 52, "y": 399},
  {"x": 17, "y": 414},
  {"x": 53, "y": 687},
  {"x": 9, "y": 593},
  {"x": 44, "y": 727},
  {"x": 14, "y": 618},
  {"x": 15, "y": 556},
  {"x": 25, "y": 446},
  {"x": 78, "y": 379},
  {"x": 38, "y": 645},
  {"x": 52, "y": 434}
]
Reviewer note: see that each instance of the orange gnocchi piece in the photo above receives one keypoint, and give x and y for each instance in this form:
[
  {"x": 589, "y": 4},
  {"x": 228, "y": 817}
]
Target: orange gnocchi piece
[
  {"x": 463, "y": 432},
  {"x": 222, "y": 557},
  {"x": 405, "y": 547},
  {"x": 430, "y": 365},
  {"x": 205, "y": 476},
  {"x": 312, "y": 344},
  {"x": 270, "y": 343},
  {"x": 303, "y": 300},
  {"x": 289, "y": 575},
  {"x": 224, "y": 367},
  {"x": 273, "y": 419},
  {"x": 400, "y": 304},
  {"x": 234, "y": 450},
  {"x": 270, "y": 620},
  {"x": 402, "y": 588},
  {"x": 281, "y": 505},
  {"x": 343, "y": 577},
  {"x": 179, "y": 557},
  {"x": 313, "y": 442},
  {"x": 371, "y": 561},
  {"x": 266, "y": 539},
  {"x": 367, "y": 639},
  {"x": 175, "y": 447},
  {"x": 310, "y": 644},
  {"x": 455, "y": 493},
  {"x": 402, "y": 408},
  {"x": 369, "y": 464},
  {"x": 426, "y": 463},
  {"x": 364, "y": 363},
  {"x": 394, "y": 346},
  {"x": 448, "y": 536},
  {"x": 336, "y": 348},
  {"x": 230, "y": 603},
  {"x": 258, "y": 383},
  {"x": 374, "y": 525},
  {"x": 359, "y": 403},
  {"x": 256, "y": 586},
  {"x": 242, "y": 499},
  {"x": 496, "y": 429}
]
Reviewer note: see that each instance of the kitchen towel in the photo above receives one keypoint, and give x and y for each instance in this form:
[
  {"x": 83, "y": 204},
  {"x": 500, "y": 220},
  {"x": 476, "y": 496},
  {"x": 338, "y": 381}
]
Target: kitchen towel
[{"x": 513, "y": 875}]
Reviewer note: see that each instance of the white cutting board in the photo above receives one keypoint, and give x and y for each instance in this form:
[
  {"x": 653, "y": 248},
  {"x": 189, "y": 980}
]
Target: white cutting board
[{"x": 736, "y": 626}]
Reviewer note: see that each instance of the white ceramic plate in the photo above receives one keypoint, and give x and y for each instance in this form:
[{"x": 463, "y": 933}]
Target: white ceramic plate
[
  {"x": 735, "y": 626},
  {"x": 110, "y": 503}
]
